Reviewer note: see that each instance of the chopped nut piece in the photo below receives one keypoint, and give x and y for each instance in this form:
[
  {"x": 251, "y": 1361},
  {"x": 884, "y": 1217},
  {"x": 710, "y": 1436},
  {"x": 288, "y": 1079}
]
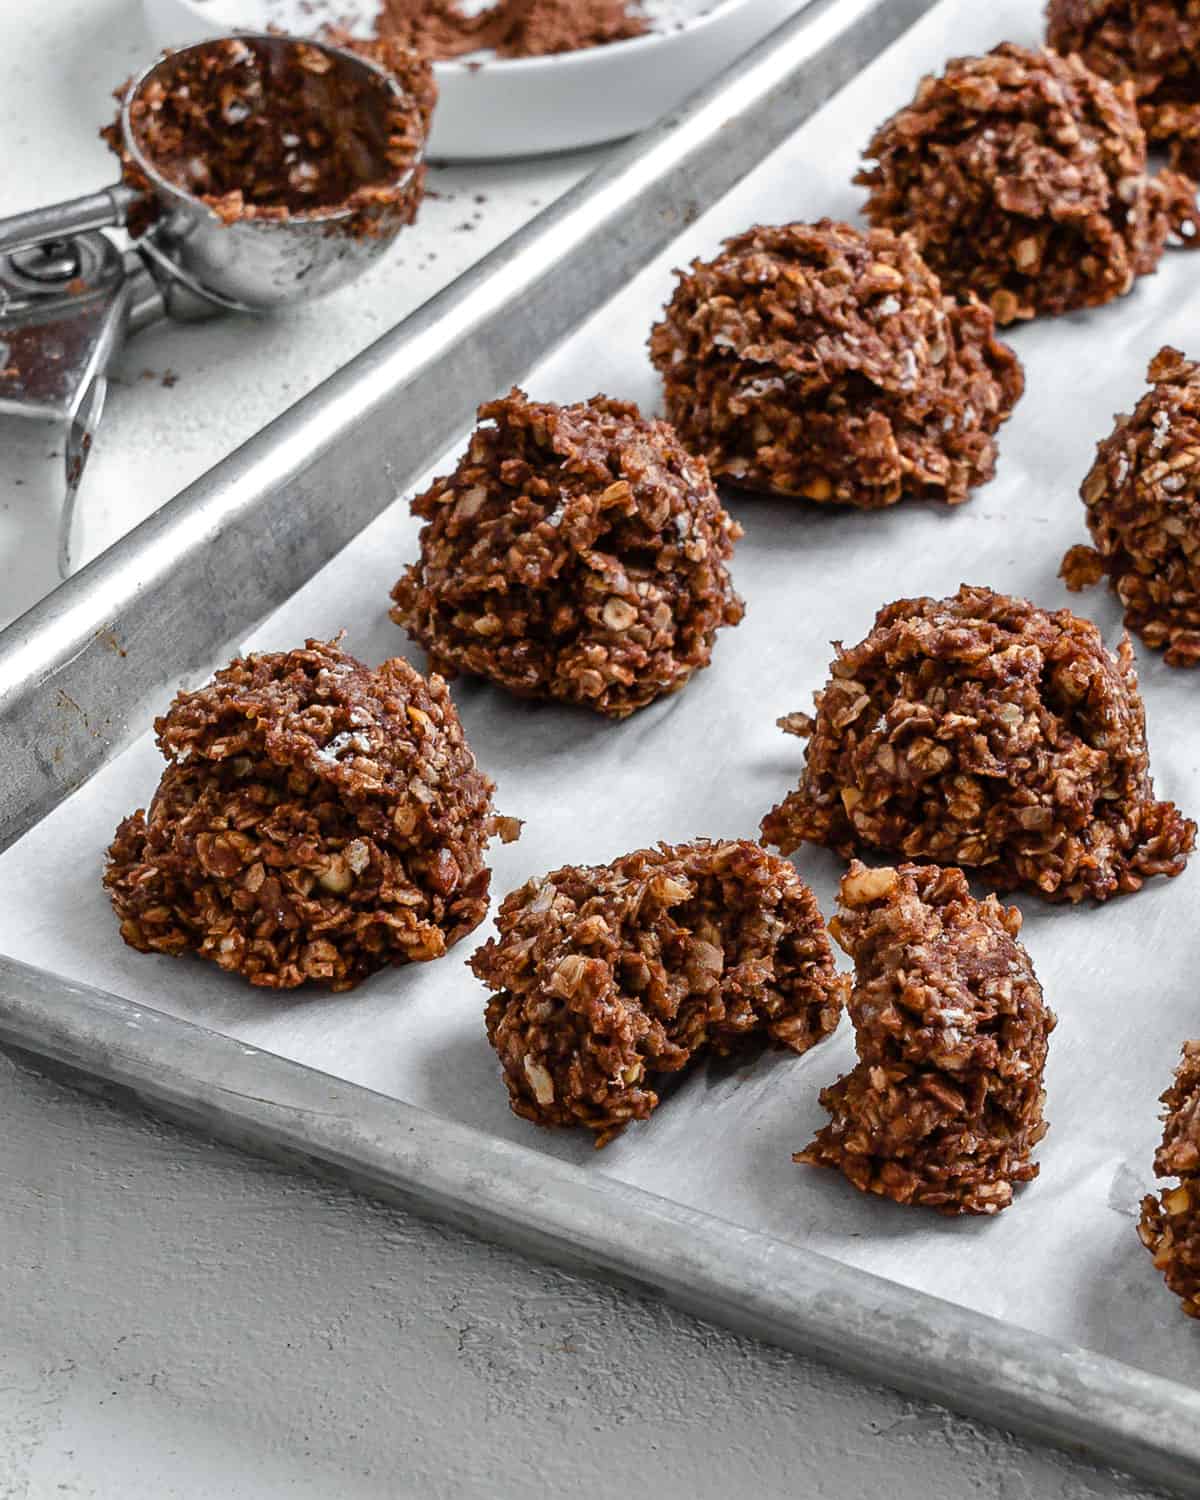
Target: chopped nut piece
[
  {"x": 600, "y": 986},
  {"x": 1022, "y": 177},
  {"x": 817, "y": 361},
  {"x": 1143, "y": 511},
  {"x": 278, "y": 848},
  {"x": 1170, "y": 1224},
  {"x": 1039, "y": 774},
  {"x": 863, "y": 886},
  {"x": 592, "y": 571},
  {"x": 944, "y": 1107}
]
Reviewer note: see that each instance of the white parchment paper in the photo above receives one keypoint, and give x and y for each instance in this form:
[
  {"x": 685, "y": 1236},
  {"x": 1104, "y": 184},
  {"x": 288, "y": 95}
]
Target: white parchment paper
[{"x": 1123, "y": 978}]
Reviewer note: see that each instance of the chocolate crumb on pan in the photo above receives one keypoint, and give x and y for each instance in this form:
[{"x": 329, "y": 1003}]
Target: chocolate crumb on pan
[
  {"x": 576, "y": 552},
  {"x": 1152, "y": 45},
  {"x": 983, "y": 731},
  {"x": 317, "y": 820},
  {"x": 1170, "y": 1223},
  {"x": 817, "y": 361},
  {"x": 1143, "y": 510},
  {"x": 254, "y": 132},
  {"x": 1022, "y": 177},
  {"x": 944, "y": 1106},
  {"x": 606, "y": 978}
]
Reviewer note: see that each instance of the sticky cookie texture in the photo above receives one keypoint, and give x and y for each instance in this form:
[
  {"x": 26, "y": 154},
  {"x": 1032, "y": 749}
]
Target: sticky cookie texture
[
  {"x": 817, "y": 361},
  {"x": 1143, "y": 511},
  {"x": 1022, "y": 177},
  {"x": 576, "y": 553},
  {"x": 1154, "y": 47},
  {"x": 944, "y": 1106},
  {"x": 983, "y": 731},
  {"x": 317, "y": 820},
  {"x": 607, "y": 978},
  {"x": 1170, "y": 1223}
]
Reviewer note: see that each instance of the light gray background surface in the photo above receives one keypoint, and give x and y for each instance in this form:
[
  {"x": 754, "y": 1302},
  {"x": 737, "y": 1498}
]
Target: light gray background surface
[{"x": 177, "y": 1321}]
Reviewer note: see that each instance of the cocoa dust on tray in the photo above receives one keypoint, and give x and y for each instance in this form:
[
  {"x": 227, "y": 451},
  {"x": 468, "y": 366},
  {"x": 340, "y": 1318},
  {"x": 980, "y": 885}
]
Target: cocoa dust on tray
[{"x": 510, "y": 28}]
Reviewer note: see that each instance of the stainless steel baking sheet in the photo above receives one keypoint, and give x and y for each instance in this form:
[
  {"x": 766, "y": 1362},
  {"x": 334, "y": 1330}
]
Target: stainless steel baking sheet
[{"x": 1049, "y": 1317}]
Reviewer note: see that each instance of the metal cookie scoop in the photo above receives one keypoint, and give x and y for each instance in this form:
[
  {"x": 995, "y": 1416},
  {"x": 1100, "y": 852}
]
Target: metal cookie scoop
[{"x": 69, "y": 298}]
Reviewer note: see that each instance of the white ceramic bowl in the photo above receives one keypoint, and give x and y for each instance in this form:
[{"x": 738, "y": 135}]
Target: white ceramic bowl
[{"x": 526, "y": 106}]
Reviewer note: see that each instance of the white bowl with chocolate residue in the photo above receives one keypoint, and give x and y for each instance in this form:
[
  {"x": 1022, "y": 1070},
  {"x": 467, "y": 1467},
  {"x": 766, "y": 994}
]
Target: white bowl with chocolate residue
[{"x": 492, "y": 107}]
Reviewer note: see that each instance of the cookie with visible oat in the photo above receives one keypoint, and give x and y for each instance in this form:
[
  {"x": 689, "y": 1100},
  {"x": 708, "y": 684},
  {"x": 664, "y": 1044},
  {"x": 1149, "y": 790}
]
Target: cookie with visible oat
[{"x": 317, "y": 820}]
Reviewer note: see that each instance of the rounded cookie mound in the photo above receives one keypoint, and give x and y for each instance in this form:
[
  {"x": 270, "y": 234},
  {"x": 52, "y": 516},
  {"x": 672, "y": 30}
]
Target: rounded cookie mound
[
  {"x": 980, "y": 730},
  {"x": 576, "y": 552},
  {"x": 1022, "y": 177},
  {"x": 1143, "y": 511},
  {"x": 944, "y": 1105},
  {"x": 317, "y": 820},
  {"x": 1170, "y": 1223},
  {"x": 814, "y": 360},
  {"x": 1154, "y": 45},
  {"x": 608, "y": 977}
]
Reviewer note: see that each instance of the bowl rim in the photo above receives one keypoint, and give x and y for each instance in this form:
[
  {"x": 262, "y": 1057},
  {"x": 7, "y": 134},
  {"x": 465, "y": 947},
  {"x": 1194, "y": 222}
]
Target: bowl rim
[{"x": 472, "y": 67}]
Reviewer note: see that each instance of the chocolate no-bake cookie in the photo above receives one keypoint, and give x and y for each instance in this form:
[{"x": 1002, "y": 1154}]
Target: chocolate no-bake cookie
[
  {"x": 944, "y": 1106},
  {"x": 982, "y": 731},
  {"x": 814, "y": 360},
  {"x": 1022, "y": 177},
  {"x": 1143, "y": 510},
  {"x": 1170, "y": 1223},
  {"x": 576, "y": 552},
  {"x": 1154, "y": 46},
  {"x": 270, "y": 129},
  {"x": 317, "y": 820},
  {"x": 608, "y": 977}
]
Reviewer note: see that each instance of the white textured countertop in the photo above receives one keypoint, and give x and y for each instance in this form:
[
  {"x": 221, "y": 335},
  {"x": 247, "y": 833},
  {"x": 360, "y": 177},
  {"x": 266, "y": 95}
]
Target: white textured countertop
[{"x": 179, "y": 1322}]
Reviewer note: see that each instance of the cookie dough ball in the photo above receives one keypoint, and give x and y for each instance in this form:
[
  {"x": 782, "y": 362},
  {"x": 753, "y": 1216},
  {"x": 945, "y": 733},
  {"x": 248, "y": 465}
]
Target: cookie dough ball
[
  {"x": 1143, "y": 511},
  {"x": 814, "y": 360},
  {"x": 1154, "y": 45},
  {"x": 606, "y": 978},
  {"x": 1170, "y": 1223},
  {"x": 982, "y": 731},
  {"x": 1022, "y": 177},
  {"x": 576, "y": 552},
  {"x": 944, "y": 1106},
  {"x": 317, "y": 820}
]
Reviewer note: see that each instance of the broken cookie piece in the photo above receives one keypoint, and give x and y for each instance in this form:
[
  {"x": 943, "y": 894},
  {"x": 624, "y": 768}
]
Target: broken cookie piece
[
  {"x": 983, "y": 731},
  {"x": 317, "y": 820},
  {"x": 1022, "y": 178},
  {"x": 944, "y": 1106},
  {"x": 607, "y": 978},
  {"x": 1143, "y": 510},
  {"x": 576, "y": 552},
  {"x": 817, "y": 361}
]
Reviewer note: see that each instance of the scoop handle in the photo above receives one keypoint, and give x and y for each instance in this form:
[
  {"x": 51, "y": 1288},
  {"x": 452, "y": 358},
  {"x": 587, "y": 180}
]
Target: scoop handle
[{"x": 107, "y": 209}]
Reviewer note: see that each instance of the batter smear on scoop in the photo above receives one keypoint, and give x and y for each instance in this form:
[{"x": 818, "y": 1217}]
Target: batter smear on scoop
[{"x": 983, "y": 731}]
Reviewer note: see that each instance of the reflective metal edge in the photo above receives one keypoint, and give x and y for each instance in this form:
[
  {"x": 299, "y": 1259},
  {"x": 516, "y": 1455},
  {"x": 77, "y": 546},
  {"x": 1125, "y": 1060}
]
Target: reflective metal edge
[
  {"x": 80, "y": 671},
  {"x": 750, "y": 1282}
]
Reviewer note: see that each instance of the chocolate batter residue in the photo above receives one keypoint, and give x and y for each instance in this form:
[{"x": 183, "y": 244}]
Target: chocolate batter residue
[
  {"x": 257, "y": 130},
  {"x": 510, "y": 28}
]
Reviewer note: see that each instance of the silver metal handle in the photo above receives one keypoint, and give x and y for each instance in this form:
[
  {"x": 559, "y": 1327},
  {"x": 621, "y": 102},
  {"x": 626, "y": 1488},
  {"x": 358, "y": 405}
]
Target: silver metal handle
[{"x": 107, "y": 209}]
